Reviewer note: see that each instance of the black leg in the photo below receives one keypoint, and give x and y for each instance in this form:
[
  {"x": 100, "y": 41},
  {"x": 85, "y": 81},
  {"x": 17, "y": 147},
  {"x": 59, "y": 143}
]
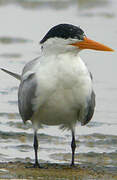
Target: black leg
[
  {"x": 36, "y": 149},
  {"x": 73, "y": 147}
]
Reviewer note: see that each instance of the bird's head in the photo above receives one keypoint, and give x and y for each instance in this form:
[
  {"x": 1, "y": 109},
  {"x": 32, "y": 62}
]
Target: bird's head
[{"x": 67, "y": 37}]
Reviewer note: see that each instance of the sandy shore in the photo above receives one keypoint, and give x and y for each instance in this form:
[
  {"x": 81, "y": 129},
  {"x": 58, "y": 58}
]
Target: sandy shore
[{"x": 18, "y": 170}]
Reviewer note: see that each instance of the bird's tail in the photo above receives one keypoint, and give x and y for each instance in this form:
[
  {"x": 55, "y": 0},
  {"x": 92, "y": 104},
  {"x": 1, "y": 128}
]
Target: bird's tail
[{"x": 17, "y": 76}]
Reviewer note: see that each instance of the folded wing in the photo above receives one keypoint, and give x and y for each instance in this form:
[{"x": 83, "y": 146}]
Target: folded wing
[{"x": 26, "y": 94}]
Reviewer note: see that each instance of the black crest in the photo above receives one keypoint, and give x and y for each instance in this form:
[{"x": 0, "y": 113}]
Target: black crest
[{"x": 64, "y": 31}]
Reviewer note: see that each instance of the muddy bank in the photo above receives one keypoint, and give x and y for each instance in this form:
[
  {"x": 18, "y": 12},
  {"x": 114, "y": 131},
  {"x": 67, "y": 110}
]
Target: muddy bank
[{"x": 18, "y": 170}]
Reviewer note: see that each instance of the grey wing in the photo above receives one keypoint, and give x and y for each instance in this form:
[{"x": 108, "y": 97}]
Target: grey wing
[
  {"x": 90, "y": 109},
  {"x": 91, "y": 76},
  {"x": 26, "y": 94},
  {"x": 30, "y": 65}
]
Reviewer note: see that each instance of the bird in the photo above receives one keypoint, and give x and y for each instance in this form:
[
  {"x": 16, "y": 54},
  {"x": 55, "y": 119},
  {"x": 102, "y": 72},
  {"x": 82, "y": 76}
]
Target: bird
[{"x": 56, "y": 88}]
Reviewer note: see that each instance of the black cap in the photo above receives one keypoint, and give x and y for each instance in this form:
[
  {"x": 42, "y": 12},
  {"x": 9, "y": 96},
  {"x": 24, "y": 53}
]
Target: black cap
[{"x": 64, "y": 31}]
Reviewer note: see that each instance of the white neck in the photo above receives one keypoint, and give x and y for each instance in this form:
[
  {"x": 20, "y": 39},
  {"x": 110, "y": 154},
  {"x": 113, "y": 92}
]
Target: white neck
[{"x": 59, "y": 46}]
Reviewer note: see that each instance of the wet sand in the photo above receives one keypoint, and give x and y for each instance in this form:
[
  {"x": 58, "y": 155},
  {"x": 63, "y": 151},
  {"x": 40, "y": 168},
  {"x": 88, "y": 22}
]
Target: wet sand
[{"x": 49, "y": 171}]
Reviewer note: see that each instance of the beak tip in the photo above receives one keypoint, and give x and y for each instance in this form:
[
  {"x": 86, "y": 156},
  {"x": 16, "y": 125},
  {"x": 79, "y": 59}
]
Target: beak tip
[
  {"x": 90, "y": 44},
  {"x": 112, "y": 50}
]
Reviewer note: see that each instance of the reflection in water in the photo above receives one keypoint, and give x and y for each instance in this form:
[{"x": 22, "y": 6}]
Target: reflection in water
[
  {"x": 10, "y": 55},
  {"x": 9, "y": 40},
  {"x": 84, "y": 4},
  {"x": 56, "y": 4}
]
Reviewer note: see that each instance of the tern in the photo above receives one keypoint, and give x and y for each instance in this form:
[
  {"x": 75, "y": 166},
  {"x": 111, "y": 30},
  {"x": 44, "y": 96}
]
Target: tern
[{"x": 56, "y": 88}]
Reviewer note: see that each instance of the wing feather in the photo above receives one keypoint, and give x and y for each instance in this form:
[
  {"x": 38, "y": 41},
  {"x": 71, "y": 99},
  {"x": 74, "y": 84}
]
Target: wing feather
[
  {"x": 90, "y": 109},
  {"x": 26, "y": 94}
]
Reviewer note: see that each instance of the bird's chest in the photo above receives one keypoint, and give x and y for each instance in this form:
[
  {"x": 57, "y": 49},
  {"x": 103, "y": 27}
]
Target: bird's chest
[
  {"x": 64, "y": 72},
  {"x": 63, "y": 88},
  {"x": 73, "y": 84}
]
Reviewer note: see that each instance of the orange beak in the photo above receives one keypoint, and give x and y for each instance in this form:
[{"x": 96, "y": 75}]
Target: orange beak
[{"x": 90, "y": 44}]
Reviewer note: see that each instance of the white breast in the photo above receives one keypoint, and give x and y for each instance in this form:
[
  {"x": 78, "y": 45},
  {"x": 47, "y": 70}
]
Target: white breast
[{"x": 64, "y": 87}]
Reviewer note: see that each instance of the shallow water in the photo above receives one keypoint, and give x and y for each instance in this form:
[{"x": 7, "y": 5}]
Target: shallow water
[{"x": 23, "y": 24}]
